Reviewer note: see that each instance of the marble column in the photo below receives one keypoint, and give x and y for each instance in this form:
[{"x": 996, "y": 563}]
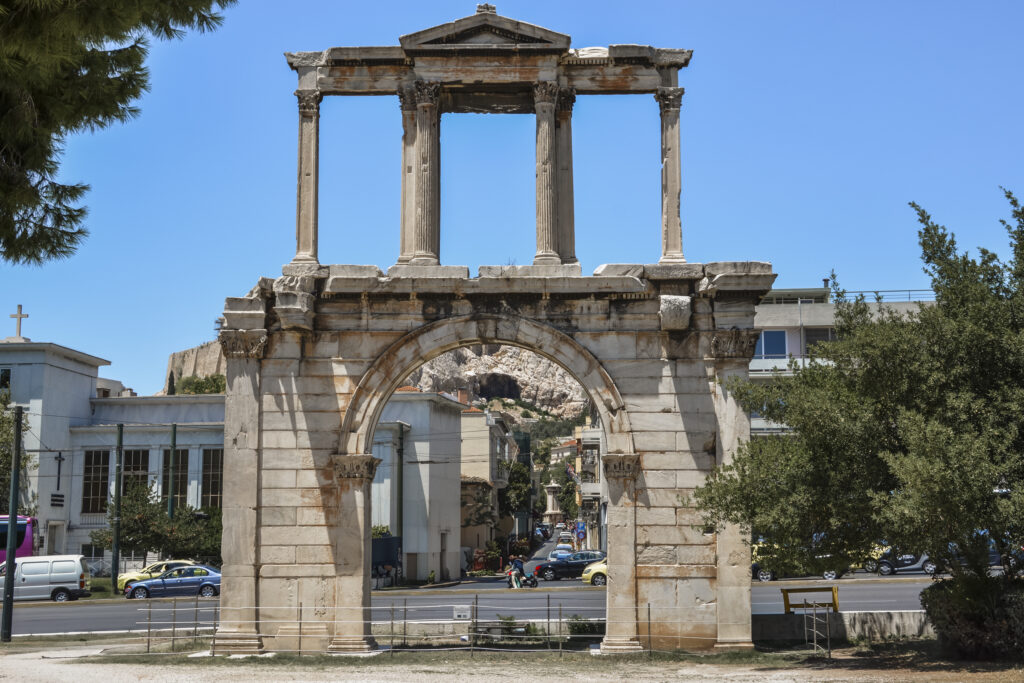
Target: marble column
[
  {"x": 427, "y": 233},
  {"x": 407, "y": 101},
  {"x": 669, "y": 100},
  {"x": 544, "y": 95},
  {"x": 621, "y": 633},
  {"x": 352, "y": 627},
  {"x": 566, "y": 241},
  {"x": 309, "y": 170},
  {"x": 732, "y": 350},
  {"x": 238, "y": 631}
]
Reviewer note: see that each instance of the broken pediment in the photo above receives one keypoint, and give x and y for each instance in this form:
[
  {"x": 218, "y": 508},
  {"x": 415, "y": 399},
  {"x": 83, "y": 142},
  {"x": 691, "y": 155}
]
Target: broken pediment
[{"x": 484, "y": 30}]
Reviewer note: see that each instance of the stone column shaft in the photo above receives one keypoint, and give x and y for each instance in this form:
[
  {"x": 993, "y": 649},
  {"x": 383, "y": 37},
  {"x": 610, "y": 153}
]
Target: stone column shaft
[
  {"x": 427, "y": 237},
  {"x": 544, "y": 95},
  {"x": 566, "y": 242},
  {"x": 352, "y": 627},
  {"x": 308, "y": 182},
  {"x": 407, "y": 247},
  {"x": 238, "y": 631},
  {"x": 621, "y": 631},
  {"x": 733, "y": 551},
  {"x": 669, "y": 100}
]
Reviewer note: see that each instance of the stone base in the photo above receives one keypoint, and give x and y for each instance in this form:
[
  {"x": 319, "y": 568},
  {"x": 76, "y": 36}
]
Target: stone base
[
  {"x": 303, "y": 268},
  {"x": 412, "y": 270},
  {"x": 727, "y": 646},
  {"x": 545, "y": 270},
  {"x": 620, "y": 646},
  {"x": 236, "y": 643},
  {"x": 352, "y": 645}
]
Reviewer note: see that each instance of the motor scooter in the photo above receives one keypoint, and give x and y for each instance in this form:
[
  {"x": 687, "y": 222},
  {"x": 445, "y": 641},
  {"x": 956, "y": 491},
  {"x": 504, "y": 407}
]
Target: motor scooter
[{"x": 527, "y": 580}]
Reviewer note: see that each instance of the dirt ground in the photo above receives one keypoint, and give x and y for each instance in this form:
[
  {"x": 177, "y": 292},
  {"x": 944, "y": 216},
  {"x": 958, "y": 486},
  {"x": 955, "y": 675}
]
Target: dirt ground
[{"x": 110, "y": 663}]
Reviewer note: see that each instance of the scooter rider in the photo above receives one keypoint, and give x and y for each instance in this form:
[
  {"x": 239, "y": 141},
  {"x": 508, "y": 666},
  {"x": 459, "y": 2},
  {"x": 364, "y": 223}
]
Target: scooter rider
[{"x": 518, "y": 571}]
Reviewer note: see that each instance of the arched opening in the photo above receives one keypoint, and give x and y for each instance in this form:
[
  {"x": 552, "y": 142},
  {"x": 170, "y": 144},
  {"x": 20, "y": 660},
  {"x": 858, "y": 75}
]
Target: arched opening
[{"x": 498, "y": 424}]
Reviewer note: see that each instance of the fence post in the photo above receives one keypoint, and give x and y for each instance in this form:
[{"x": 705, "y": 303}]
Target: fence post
[
  {"x": 300, "y": 628},
  {"x": 547, "y": 631},
  {"x": 650, "y": 647},
  {"x": 559, "y": 630},
  {"x": 405, "y": 621},
  {"x": 174, "y": 620},
  {"x": 149, "y": 626},
  {"x": 195, "y": 621}
]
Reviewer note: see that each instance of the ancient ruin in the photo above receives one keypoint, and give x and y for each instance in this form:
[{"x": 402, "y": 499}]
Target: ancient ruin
[{"x": 313, "y": 355}]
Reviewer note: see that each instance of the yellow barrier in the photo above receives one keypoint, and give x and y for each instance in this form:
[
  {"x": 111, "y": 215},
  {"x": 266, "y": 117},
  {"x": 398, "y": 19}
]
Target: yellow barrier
[{"x": 789, "y": 606}]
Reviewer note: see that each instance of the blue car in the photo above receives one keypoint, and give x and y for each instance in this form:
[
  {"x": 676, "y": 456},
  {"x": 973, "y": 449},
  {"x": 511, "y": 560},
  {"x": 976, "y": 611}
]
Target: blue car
[{"x": 183, "y": 581}]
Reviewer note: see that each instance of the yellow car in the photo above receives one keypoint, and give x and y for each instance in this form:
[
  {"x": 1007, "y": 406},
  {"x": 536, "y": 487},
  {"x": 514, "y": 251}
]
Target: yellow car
[
  {"x": 596, "y": 573},
  {"x": 151, "y": 572}
]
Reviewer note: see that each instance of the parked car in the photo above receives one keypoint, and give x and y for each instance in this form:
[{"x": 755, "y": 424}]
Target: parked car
[
  {"x": 560, "y": 526},
  {"x": 183, "y": 581},
  {"x": 561, "y": 551},
  {"x": 565, "y": 537},
  {"x": 596, "y": 573},
  {"x": 49, "y": 577},
  {"x": 152, "y": 571},
  {"x": 893, "y": 561},
  {"x": 568, "y": 568}
]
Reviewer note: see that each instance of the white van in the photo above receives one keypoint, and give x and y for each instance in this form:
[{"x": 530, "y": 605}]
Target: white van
[{"x": 50, "y": 577}]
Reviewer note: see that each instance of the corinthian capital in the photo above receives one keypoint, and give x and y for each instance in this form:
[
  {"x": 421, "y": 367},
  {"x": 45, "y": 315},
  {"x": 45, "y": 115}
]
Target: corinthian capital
[
  {"x": 309, "y": 102},
  {"x": 407, "y": 97},
  {"x": 427, "y": 92},
  {"x": 566, "y": 99},
  {"x": 360, "y": 467},
  {"x": 669, "y": 98},
  {"x": 545, "y": 92},
  {"x": 243, "y": 343},
  {"x": 735, "y": 344}
]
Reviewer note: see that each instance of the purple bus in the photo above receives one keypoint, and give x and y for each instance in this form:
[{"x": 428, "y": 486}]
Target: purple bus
[{"x": 25, "y": 541}]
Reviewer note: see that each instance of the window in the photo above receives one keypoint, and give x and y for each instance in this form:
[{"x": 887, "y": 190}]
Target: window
[
  {"x": 817, "y": 335},
  {"x": 64, "y": 567},
  {"x": 34, "y": 569},
  {"x": 180, "y": 476},
  {"x": 5, "y": 378},
  {"x": 136, "y": 469},
  {"x": 213, "y": 483},
  {"x": 771, "y": 344},
  {"x": 92, "y": 552},
  {"x": 96, "y": 481}
]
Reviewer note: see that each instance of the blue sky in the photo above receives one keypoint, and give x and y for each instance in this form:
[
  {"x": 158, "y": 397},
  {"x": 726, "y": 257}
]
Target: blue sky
[{"x": 806, "y": 129}]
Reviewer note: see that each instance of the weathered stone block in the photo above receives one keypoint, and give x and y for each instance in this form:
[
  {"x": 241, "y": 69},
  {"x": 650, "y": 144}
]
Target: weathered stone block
[{"x": 277, "y": 516}]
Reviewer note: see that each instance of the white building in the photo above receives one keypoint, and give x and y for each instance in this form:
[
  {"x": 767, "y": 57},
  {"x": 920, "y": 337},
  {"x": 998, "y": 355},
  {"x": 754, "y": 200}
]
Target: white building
[
  {"x": 488, "y": 451},
  {"x": 71, "y": 438},
  {"x": 416, "y": 489}
]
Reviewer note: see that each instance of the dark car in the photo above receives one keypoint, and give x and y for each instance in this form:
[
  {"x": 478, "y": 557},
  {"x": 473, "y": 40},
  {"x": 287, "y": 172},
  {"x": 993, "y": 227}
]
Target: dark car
[
  {"x": 569, "y": 568},
  {"x": 183, "y": 581}
]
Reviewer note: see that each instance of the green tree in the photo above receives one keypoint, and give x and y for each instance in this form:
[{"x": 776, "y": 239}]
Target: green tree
[
  {"x": 209, "y": 384},
  {"x": 907, "y": 428},
  {"x": 145, "y": 527},
  {"x": 27, "y": 503},
  {"x": 567, "y": 500},
  {"x": 65, "y": 67},
  {"x": 516, "y": 495}
]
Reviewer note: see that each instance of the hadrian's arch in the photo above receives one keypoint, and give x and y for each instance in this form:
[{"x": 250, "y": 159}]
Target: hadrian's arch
[{"x": 314, "y": 353}]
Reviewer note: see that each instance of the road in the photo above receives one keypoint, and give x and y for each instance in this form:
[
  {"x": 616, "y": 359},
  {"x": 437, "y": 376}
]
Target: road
[{"x": 492, "y": 598}]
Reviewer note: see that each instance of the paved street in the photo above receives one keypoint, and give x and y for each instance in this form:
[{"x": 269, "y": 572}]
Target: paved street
[{"x": 492, "y": 598}]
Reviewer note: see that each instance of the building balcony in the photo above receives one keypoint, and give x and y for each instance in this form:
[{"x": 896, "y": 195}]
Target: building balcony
[
  {"x": 590, "y": 490},
  {"x": 765, "y": 366}
]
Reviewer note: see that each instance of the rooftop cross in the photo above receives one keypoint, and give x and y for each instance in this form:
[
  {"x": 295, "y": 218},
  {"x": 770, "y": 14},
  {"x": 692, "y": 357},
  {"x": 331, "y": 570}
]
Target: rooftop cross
[{"x": 19, "y": 315}]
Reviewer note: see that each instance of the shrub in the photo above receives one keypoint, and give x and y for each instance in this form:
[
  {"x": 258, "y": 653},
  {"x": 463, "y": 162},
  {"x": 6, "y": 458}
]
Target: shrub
[
  {"x": 978, "y": 618},
  {"x": 580, "y": 626}
]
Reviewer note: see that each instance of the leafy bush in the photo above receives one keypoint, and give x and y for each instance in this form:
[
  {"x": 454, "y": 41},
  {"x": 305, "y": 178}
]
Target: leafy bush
[
  {"x": 210, "y": 384},
  {"x": 978, "y": 619},
  {"x": 581, "y": 626},
  {"x": 380, "y": 531}
]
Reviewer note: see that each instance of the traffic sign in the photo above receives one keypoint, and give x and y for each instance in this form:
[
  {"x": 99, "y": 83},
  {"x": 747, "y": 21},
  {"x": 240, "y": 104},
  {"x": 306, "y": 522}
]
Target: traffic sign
[{"x": 581, "y": 535}]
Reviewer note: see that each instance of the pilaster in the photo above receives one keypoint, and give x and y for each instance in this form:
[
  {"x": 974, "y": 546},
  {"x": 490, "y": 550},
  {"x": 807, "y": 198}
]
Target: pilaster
[
  {"x": 308, "y": 181},
  {"x": 352, "y": 634},
  {"x": 621, "y": 632},
  {"x": 669, "y": 101},
  {"x": 544, "y": 95}
]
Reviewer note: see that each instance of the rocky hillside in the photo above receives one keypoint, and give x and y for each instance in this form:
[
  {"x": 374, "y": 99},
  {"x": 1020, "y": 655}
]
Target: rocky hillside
[
  {"x": 488, "y": 372},
  {"x": 503, "y": 371}
]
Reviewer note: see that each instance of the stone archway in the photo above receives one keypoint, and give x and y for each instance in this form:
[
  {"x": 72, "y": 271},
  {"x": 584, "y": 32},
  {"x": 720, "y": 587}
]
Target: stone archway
[
  {"x": 312, "y": 355},
  {"x": 430, "y": 341}
]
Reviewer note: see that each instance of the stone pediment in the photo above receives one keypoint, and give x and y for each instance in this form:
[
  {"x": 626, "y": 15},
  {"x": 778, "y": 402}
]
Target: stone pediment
[{"x": 484, "y": 30}]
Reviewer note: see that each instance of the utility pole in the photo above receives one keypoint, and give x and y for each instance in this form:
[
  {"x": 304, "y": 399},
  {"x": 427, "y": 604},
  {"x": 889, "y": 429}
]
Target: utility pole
[
  {"x": 12, "y": 528},
  {"x": 170, "y": 471},
  {"x": 115, "y": 552}
]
